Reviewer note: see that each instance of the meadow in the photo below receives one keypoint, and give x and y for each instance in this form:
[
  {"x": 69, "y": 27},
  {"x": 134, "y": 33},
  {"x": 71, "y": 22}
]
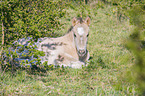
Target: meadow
[{"x": 109, "y": 65}]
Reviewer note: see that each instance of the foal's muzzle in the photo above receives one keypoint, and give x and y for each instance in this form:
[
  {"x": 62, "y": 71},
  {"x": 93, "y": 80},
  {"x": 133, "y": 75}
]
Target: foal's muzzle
[{"x": 81, "y": 52}]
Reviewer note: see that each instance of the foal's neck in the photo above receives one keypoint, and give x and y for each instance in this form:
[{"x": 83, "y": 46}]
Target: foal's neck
[{"x": 70, "y": 36}]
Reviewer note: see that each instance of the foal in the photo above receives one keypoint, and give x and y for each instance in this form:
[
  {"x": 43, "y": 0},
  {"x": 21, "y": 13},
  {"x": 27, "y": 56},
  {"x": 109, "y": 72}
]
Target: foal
[{"x": 69, "y": 50}]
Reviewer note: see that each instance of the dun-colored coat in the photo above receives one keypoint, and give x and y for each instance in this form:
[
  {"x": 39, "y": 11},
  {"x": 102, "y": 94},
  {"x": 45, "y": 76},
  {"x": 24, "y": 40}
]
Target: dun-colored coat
[{"x": 71, "y": 49}]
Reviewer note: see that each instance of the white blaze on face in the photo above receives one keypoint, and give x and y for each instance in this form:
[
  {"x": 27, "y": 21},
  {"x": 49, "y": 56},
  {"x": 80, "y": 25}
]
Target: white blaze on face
[{"x": 80, "y": 30}]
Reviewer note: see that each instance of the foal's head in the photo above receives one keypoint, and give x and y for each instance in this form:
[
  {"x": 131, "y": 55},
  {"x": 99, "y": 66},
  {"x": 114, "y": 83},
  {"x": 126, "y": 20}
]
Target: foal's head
[{"x": 81, "y": 33}]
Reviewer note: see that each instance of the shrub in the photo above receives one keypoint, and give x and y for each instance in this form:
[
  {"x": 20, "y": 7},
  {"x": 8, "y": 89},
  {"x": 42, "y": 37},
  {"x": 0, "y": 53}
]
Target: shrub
[{"x": 29, "y": 18}]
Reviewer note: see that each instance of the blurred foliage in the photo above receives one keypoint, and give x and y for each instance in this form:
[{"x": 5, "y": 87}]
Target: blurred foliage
[{"x": 136, "y": 43}]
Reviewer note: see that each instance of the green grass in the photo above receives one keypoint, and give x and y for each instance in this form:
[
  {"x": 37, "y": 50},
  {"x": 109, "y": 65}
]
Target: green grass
[{"x": 104, "y": 76}]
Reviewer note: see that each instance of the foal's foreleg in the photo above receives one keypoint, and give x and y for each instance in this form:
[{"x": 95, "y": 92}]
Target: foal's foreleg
[{"x": 72, "y": 62}]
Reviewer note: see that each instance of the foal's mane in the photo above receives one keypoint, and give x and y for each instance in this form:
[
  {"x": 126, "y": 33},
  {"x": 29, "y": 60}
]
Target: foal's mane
[
  {"x": 69, "y": 30},
  {"x": 80, "y": 20}
]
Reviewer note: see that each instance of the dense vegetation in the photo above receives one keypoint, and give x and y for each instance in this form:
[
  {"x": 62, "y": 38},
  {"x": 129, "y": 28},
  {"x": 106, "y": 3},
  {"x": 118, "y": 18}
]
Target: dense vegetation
[
  {"x": 29, "y": 18},
  {"x": 116, "y": 44}
]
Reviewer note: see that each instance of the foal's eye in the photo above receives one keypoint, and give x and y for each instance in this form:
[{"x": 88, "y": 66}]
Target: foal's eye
[
  {"x": 74, "y": 35},
  {"x": 87, "y": 35}
]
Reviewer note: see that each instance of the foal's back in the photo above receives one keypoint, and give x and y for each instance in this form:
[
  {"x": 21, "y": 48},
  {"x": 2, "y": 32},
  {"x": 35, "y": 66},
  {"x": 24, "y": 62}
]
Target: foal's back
[{"x": 59, "y": 51}]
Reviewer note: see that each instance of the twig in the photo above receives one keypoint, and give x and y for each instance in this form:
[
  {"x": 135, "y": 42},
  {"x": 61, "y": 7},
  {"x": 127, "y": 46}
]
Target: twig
[{"x": 2, "y": 44}]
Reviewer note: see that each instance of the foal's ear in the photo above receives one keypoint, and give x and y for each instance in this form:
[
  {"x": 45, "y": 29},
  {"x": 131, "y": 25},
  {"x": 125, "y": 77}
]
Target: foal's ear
[
  {"x": 87, "y": 21},
  {"x": 74, "y": 21}
]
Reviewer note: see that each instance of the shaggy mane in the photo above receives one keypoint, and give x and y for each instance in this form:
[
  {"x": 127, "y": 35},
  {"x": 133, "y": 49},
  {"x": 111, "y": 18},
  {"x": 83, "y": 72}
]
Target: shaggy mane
[{"x": 80, "y": 19}]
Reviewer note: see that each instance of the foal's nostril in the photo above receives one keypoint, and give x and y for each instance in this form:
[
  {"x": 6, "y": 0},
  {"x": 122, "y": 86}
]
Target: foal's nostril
[{"x": 81, "y": 51}]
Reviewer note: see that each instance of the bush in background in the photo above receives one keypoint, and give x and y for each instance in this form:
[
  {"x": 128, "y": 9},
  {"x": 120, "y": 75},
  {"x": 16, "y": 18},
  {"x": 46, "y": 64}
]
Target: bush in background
[
  {"x": 136, "y": 43},
  {"x": 29, "y": 18}
]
